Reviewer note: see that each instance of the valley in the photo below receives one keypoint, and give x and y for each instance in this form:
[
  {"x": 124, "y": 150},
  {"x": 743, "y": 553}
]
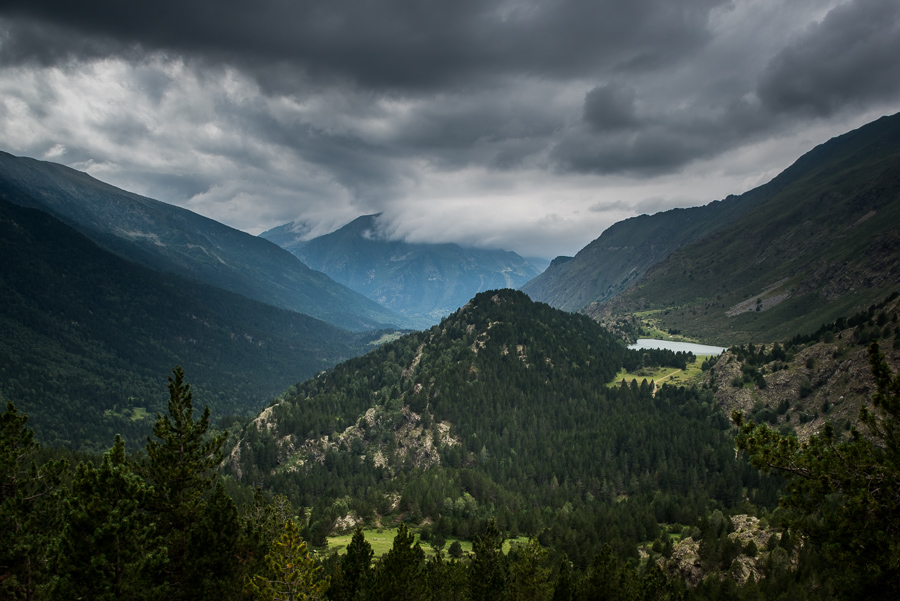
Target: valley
[{"x": 538, "y": 429}]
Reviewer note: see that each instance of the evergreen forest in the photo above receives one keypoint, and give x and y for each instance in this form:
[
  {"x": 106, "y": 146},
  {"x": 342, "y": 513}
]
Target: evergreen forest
[
  {"x": 510, "y": 464},
  {"x": 85, "y": 336}
]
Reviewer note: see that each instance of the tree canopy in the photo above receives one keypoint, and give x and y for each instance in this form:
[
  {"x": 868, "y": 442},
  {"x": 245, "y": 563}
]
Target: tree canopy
[{"x": 845, "y": 493}]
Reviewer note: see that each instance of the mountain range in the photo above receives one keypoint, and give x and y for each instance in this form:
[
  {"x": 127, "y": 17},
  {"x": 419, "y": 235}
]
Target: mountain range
[
  {"x": 87, "y": 338},
  {"x": 423, "y": 282},
  {"x": 816, "y": 242},
  {"x": 167, "y": 238},
  {"x": 509, "y": 414},
  {"x": 89, "y": 341}
]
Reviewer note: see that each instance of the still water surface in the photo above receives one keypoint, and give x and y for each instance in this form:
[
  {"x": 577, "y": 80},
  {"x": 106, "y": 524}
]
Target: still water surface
[{"x": 672, "y": 345}]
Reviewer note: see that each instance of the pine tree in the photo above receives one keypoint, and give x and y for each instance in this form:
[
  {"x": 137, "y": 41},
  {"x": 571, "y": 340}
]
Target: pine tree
[
  {"x": 565, "y": 589},
  {"x": 291, "y": 574},
  {"x": 447, "y": 580},
  {"x": 488, "y": 570},
  {"x": 529, "y": 577},
  {"x": 180, "y": 466},
  {"x": 262, "y": 524},
  {"x": 107, "y": 538},
  {"x": 31, "y": 509},
  {"x": 608, "y": 580},
  {"x": 213, "y": 567},
  {"x": 400, "y": 576},
  {"x": 354, "y": 571}
]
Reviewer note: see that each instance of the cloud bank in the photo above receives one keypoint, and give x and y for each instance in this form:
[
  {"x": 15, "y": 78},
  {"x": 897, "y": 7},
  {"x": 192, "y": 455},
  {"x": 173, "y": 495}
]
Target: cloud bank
[{"x": 530, "y": 126}]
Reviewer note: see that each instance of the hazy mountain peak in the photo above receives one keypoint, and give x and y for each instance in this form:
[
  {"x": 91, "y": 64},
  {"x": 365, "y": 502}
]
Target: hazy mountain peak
[{"x": 419, "y": 280}]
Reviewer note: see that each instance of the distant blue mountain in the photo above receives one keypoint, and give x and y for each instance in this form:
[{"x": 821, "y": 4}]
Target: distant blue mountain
[{"x": 423, "y": 282}]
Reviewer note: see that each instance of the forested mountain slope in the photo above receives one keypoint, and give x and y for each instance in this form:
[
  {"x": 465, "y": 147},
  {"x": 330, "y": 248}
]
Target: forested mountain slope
[
  {"x": 500, "y": 411},
  {"x": 619, "y": 258},
  {"x": 825, "y": 245},
  {"x": 87, "y": 338},
  {"x": 173, "y": 240},
  {"x": 623, "y": 253},
  {"x": 423, "y": 282}
]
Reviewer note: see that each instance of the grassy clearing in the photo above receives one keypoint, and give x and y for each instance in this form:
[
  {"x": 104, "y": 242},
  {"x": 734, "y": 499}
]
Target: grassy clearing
[
  {"x": 134, "y": 414},
  {"x": 385, "y": 338},
  {"x": 382, "y": 539},
  {"x": 664, "y": 375}
]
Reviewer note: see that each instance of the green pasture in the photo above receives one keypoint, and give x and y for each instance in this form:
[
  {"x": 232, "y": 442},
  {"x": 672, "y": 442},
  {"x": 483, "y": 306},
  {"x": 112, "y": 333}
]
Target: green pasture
[
  {"x": 382, "y": 539},
  {"x": 664, "y": 375},
  {"x": 385, "y": 338}
]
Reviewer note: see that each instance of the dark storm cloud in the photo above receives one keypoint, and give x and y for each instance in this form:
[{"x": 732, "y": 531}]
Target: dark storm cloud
[
  {"x": 610, "y": 107},
  {"x": 380, "y": 43},
  {"x": 477, "y": 120},
  {"x": 850, "y": 58},
  {"x": 617, "y": 140}
]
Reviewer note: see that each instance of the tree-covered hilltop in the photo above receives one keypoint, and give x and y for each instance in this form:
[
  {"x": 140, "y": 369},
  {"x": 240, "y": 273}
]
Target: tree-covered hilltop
[
  {"x": 166, "y": 526},
  {"x": 503, "y": 411},
  {"x": 84, "y": 336}
]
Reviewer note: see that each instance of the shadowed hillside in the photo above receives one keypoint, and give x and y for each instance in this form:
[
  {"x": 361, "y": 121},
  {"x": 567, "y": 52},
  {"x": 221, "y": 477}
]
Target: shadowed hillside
[{"x": 174, "y": 240}]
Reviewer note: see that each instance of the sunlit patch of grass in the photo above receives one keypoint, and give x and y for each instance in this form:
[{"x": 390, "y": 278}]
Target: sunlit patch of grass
[
  {"x": 382, "y": 539},
  {"x": 385, "y": 338},
  {"x": 664, "y": 375}
]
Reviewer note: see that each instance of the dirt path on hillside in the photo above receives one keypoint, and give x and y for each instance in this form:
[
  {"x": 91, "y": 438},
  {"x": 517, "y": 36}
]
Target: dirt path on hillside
[{"x": 655, "y": 382}]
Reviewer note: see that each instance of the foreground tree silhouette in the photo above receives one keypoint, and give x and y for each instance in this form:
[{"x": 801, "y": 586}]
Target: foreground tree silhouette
[
  {"x": 31, "y": 499},
  {"x": 400, "y": 575},
  {"x": 181, "y": 467},
  {"x": 105, "y": 543},
  {"x": 350, "y": 579},
  {"x": 488, "y": 570},
  {"x": 846, "y": 493},
  {"x": 529, "y": 575}
]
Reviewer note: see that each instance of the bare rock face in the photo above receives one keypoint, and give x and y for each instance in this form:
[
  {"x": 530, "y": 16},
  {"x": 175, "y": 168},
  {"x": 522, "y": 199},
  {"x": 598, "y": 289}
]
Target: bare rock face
[
  {"x": 819, "y": 382},
  {"x": 393, "y": 437},
  {"x": 687, "y": 563}
]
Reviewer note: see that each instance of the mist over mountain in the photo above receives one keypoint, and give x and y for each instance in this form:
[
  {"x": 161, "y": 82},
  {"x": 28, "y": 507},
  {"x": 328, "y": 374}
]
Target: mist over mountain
[
  {"x": 507, "y": 418},
  {"x": 171, "y": 239},
  {"x": 422, "y": 282}
]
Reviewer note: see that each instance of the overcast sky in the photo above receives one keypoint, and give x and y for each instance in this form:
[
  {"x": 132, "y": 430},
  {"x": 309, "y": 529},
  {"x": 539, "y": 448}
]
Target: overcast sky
[{"x": 525, "y": 125}]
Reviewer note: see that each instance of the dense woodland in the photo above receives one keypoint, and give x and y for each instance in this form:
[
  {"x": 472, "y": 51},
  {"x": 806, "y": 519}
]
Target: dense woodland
[
  {"x": 540, "y": 449},
  {"x": 540, "y": 443}
]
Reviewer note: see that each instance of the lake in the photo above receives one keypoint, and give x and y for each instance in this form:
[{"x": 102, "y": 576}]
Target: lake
[{"x": 672, "y": 345}]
